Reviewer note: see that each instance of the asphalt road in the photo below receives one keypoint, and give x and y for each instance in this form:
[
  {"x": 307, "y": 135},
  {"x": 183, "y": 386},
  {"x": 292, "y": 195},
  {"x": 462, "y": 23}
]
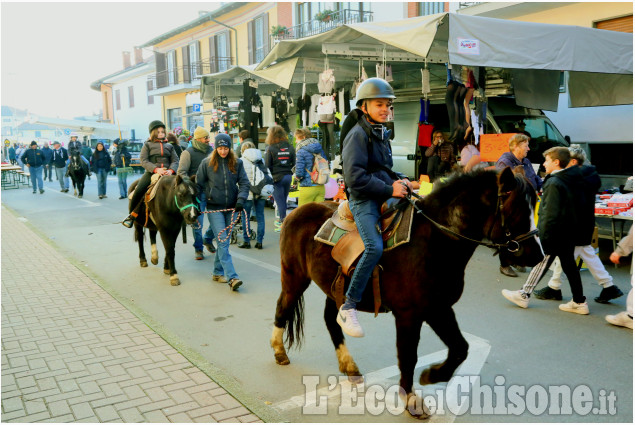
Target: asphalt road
[{"x": 513, "y": 351}]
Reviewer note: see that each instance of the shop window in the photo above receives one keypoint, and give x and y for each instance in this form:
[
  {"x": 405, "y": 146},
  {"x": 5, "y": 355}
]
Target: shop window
[
  {"x": 193, "y": 121},
  {"x": 131, "y": 96},
  {"x": 175, "y": 118}
]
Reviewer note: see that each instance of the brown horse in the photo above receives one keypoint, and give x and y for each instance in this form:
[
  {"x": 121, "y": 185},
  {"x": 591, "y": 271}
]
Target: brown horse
[
  {"x": 174, "y": 203},
  {"x": 470, "y": 207}
]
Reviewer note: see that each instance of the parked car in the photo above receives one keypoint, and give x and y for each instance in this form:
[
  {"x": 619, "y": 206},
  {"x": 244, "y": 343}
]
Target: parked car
[{"x": 134, "y": 147}]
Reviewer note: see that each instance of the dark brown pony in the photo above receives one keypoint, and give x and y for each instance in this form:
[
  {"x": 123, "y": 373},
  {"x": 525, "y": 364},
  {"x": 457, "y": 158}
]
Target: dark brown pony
[
  {"x": 174, "y": 202},
  {"x": 478, "y": 205}
]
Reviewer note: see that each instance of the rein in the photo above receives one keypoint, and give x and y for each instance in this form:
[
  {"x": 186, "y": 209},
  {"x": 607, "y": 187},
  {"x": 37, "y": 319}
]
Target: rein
[
  {"x": 231, "y": 225},
  {"x": 512, "y": 245}
]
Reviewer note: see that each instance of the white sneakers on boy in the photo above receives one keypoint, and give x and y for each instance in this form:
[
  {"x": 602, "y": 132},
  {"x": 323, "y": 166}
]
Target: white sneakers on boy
[{"x": 347, "y": 319}]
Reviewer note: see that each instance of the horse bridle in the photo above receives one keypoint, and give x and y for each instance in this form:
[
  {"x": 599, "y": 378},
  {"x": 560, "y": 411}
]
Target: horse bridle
[
  {"x": 512, "y": 244},
  {"x": 186, "y": 206}
]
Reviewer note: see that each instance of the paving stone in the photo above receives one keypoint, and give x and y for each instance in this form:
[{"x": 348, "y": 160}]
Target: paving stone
[
  {"x": 82, "y": 410},
  {"x": 180, "y": 418},
  {"x": 225, "y": 414},
  {"x": 106, "y": 413},
  {"x": 11, "y": 404},
  {"x": 155, "y": 416},
  {"x": 132, "y": 415},
  {"x": 59, "y": 408}
]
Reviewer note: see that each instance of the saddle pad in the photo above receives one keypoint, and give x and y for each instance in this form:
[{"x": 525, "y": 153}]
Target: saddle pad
[
  {"x": 152, "y": 189},
  {"x": 330, "y": 234}
]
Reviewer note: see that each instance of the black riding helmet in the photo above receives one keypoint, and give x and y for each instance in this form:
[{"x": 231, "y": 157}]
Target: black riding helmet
[
  {"x": 374, "y": 88},
  {"x": 155, "y": 124}
]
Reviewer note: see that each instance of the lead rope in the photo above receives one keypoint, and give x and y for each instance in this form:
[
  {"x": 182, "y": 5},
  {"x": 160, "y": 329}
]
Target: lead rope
[{"x": 231, "y": 224}]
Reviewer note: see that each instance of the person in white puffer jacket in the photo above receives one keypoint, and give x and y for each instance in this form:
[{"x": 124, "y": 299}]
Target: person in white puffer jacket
[{"x": 259, "y": 176}]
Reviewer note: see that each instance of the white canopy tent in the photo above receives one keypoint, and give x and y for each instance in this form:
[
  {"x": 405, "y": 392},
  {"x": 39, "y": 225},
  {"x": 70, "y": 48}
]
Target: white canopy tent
[{"x": 600, "y": 63}]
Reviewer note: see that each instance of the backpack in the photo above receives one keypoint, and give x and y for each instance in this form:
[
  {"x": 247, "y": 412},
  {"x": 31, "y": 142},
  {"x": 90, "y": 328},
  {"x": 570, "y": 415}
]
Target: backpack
[
  {"x": 321, "y": 171},
  {"x": 263, "y": 182}
]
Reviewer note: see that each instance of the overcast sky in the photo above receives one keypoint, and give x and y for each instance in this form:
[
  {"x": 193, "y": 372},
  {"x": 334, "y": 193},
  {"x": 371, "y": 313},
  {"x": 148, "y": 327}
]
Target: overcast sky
[{"x": 52, "y": 52}]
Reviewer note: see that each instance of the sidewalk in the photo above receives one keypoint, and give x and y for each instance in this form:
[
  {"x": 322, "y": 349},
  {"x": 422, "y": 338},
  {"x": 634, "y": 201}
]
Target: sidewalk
[{"x": 71, "y": 352}]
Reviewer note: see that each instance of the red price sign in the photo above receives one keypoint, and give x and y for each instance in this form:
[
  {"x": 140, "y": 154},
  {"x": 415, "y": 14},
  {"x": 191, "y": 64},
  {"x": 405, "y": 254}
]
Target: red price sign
[{"x": 494, "y": 145}]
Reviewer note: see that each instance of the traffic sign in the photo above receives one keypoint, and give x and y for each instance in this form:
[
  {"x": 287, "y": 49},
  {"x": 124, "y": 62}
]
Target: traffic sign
[
  {"x": 7, "y": 142},
  {"x": 67, "y": 131},
  {"x": 196, "y": 107}
]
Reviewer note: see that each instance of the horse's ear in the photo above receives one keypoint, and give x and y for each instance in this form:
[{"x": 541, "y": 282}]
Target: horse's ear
[
  {"x": 178, "y": 180},
  {"x": 193, "y": 179},
  {"x": 519, "y": 169},
  {"x": 506, "y": 180}
]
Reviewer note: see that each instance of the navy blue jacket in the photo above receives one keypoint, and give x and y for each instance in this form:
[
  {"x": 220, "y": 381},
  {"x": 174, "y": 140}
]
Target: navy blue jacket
[
  {"x": 360, "y": 163},
  {"x": 304, "y": 161},
  {"x": 60, "y": 158},
  {"x": 222, "y": 187},
  {"x": 33, "y": 157},
  {"x": 509, "y": 159},
  {"x": 100, "y": 160},
  {"x": 118, "y": 153},
  {"x": 48, "y": 155}
]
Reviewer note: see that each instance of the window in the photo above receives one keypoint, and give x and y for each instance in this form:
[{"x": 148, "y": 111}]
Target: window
[
  {"x": 118, "y": 99},
  {"x": 221, "y": 51},
  {"x": 259, "y": 40},
  {"x": 430, "y": 8},
  {"x": 150, "y": 88},
  {"x": 563, "y": 82},
  {"x": 175, "y": 118},
  {"x": 193, "y": 60},
  {"x": 38, "y": 133},
  {"x": 131, "y": 96},
  {"x": 193, "y": 121},
  {"x": 171, "y": 69}
]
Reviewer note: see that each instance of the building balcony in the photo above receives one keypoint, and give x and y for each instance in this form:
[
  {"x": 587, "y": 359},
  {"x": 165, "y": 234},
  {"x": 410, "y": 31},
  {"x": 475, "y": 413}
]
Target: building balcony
[
  {"x": 332, "y": 20},
  {"x": 185, "y": 78}
]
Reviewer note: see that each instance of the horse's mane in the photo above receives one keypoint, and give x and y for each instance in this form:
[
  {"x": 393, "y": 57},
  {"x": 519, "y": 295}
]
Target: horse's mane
[{"x": 458, "y": 183}]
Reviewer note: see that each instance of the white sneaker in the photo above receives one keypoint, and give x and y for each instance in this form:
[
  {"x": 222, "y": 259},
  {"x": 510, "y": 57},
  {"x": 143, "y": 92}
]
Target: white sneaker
[
  {"x": 517, "y": 297},
  {"x": 574, "y": 307},
  {"x": 347, "y": 319},
  {"x": 620, "y": 319}
]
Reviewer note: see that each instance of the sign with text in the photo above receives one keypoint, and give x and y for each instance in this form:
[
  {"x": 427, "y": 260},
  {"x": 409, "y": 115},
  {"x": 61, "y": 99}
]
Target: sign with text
[
  {"x": 469, "y": 46},
  {"x": 196, "y": 107},
  {"x": 494, "y": 145}
]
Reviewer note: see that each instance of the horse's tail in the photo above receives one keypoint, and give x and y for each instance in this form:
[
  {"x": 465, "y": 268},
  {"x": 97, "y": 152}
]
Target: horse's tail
[{"x": 295, "y": 324}]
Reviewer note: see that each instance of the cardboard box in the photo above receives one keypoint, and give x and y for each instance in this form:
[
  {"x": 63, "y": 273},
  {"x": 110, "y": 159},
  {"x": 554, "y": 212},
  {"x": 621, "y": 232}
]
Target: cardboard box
[
  {"x": 621, "y": 200},
  {"x": 610, "y": 210}
]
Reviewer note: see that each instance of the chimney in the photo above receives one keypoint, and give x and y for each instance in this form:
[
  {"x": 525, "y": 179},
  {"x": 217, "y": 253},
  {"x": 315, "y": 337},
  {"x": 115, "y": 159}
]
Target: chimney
[
  {"x": 126, "y": 60},
  {"x": 138, "y": 55}
]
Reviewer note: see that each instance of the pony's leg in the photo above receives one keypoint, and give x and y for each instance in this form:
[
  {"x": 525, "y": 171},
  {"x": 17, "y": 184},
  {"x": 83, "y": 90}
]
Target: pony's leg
[
  {"x": 289, "y": 313},
  {"x": 443, "y": 323},
  {"x": 169, "y": 236},
  {"x": 408, "y": 334},
  {"x": 138, "y": 229},
  {"x": 344, "y": 358},
  {"x": 80, "y": 189},
  {"x": 74, "y": 186},
  {"x": 153, "y": 246}
]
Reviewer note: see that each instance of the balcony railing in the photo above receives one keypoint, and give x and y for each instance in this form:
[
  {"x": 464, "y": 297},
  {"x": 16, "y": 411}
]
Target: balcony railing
[
  {"x": 313, "y": 27},
  {"x": 189, "y": 74}
]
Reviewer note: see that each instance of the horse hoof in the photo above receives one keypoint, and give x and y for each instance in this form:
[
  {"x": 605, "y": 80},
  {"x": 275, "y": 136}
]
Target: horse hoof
[
  {"x": 355, "y": 379},
  {"x": 80, "y": 196},
  {"x": 174, "y": 281},
  {"x": 166, "y": 271},
  {"x": 155, "y": 261},
  {"x": 416, "y": 407},
  {"x": 143, "y": 263},
  {"x": 282, "y": 359}
]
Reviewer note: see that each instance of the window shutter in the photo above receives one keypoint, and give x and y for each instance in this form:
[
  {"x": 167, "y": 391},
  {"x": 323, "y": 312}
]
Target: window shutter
[
  {"x": 185, "y": 52},
  {"x": 162, "y": 76},
  {"x": 623, "y": 24},
  {"x": 213, "y": 63},
  {"x": 250, "y": 39},
  {"x": 131, "y": 96},
  {"x": 199, "y": 69},
  {"x": 118, "y": 99},
  {"x": 150, "y": 98},
  {"x": 265, "y": 35},
  {"x": 229, "y": 46}
]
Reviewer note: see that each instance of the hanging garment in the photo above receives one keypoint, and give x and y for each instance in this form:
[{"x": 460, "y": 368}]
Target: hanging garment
[
  {"x": 424, "y": 115},
  {"x": 326, "y": 109},
  {"x": 326, "y": 82},
  {"x": 313, "y": 115},
  {"x": 424, "y": 138},
  {"x": 268, "y": 113},
  {"x": 364, "y": 75},
  {"x": 476, "y": 127}
]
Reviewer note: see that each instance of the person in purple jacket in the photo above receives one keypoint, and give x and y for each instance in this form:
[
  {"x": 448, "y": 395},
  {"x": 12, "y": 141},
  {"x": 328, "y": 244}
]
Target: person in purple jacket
[{"x": 517, "y": 155}]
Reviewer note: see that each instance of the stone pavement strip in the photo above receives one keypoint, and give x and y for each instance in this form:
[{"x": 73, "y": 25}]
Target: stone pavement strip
[{"x": 71, "y": 352}]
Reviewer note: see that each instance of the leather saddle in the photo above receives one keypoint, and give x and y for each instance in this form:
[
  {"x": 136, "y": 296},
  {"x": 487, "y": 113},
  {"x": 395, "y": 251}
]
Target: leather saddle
[{"x": 349, "y": 248}]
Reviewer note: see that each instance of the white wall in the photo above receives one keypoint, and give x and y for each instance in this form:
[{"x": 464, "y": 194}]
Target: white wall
[
  {"x": 139, "y": 116},
  {"x": 386, "y": 11}
]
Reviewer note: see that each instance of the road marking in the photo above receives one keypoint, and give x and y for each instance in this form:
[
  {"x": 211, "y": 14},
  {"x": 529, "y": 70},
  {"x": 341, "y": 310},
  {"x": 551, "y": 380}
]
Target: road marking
[
  {"x": 256, "y": 262},
  {"x": 478, "y": 353}
]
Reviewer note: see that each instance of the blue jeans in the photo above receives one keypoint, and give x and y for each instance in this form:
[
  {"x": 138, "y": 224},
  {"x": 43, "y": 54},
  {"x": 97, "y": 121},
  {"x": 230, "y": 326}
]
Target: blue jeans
[
  {"x": 102, "y": 173},
  {"x": 123, "y": 184},
  {"x": 259, "y": 207},
  {"x": 223, "y": 260},
  {"x": 366, "y": 213},
  {"x": 36, "y": 177},
  {"x": 280, "y": 193},
  {"x": 61, "y": 177},
  {"x": 198, "y": 233}
]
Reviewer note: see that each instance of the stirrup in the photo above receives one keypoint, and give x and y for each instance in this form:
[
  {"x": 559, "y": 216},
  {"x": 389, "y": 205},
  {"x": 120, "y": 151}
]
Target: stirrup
[{"x": 128, "y": 221}]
